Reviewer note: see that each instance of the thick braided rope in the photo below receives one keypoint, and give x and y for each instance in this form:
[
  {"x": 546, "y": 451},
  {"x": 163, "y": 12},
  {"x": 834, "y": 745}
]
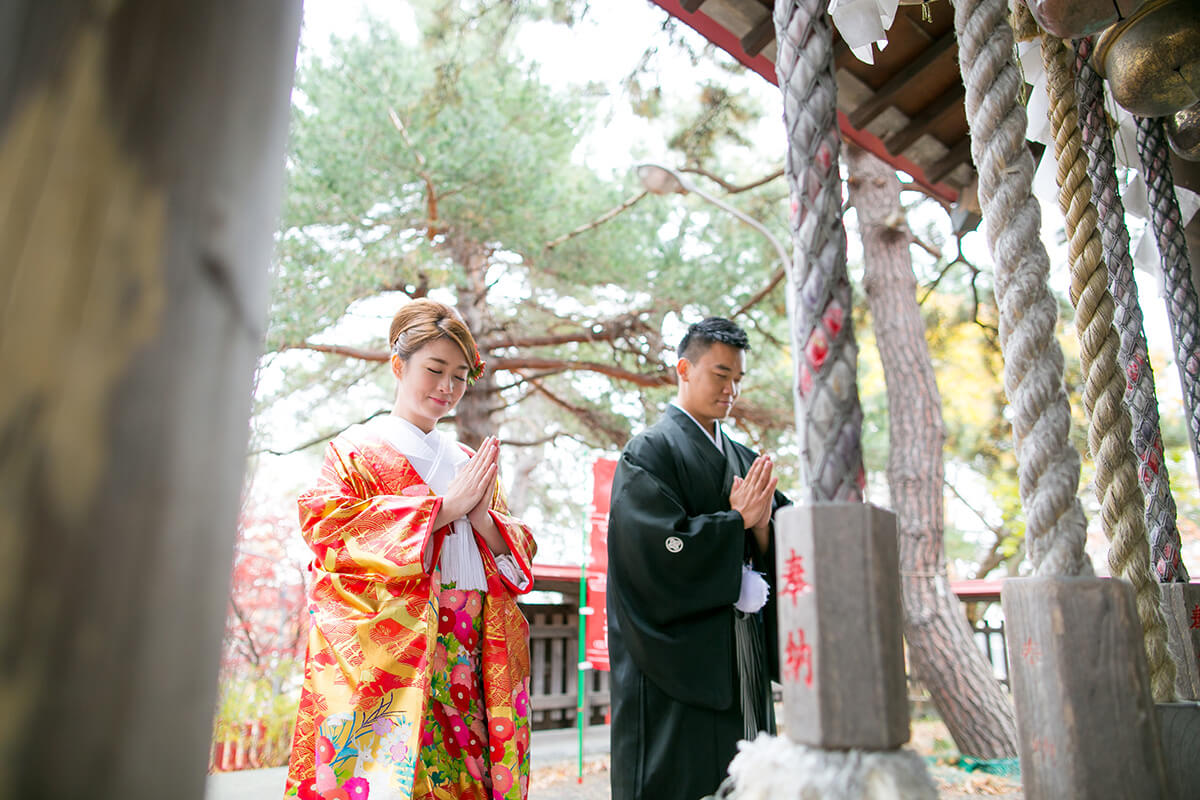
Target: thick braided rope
[
  {"x": 828, "y": 414},
  {"x": 1109, "y": 428},
  {"x": 1047, "y": 464},
  {"x": 1133, "y": 355},
  {"x": 1182, "y": 308}
]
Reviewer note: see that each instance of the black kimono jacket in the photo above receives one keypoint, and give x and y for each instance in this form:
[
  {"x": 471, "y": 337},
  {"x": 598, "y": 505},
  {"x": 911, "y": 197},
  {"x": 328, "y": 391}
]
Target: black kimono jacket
[{"x": 675, "y": 555}]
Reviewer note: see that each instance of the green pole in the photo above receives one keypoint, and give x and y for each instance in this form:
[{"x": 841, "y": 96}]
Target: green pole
[{"x": 585, "y": 609}]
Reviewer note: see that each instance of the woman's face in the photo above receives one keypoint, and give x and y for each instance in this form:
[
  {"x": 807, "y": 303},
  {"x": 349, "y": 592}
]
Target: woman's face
[{"x": 430, "y": 384}]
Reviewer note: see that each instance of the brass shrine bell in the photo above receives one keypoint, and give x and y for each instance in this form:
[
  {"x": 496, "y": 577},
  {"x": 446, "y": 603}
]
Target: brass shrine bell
[
  {"x": 1073, "y": 19},
  {"x": 1152, "y": 58},
  {"x": 1183, "y": 132}
]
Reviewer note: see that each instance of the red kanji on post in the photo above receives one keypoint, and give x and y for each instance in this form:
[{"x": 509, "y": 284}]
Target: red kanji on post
[
  {"x": 793, "y": 580},
  {"x": 1043, "y": 747},
  {"x": 799, "y": 656},
  {"x": 1196, "y": 616},
  {"x": 1031, "y": 652}
]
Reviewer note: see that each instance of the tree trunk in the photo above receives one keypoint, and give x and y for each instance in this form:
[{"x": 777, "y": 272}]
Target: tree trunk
[
  {"x": 521, "y": 480},
  {"x": 473, "y": 418},
  {"x": 941, "y": 648},
  {"x": 141, "y": 163}
]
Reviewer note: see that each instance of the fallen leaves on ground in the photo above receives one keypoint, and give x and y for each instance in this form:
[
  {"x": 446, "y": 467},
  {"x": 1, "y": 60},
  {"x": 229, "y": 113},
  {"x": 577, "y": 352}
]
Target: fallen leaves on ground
[
  {"x": 547, "y": 776},
  {"x": 977, "y": 785}
]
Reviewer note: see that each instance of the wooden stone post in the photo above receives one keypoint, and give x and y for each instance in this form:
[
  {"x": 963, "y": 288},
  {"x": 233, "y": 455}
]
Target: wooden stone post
[
  {"x": 1086, "y": 723},
  {"x": 1181, "y": 609},
  {"x": 1180, "y": 726},
  {"x": 141, "y": 165},
  {"x": 1180, "y": 722},
  {"x": 841, "y": 652}
]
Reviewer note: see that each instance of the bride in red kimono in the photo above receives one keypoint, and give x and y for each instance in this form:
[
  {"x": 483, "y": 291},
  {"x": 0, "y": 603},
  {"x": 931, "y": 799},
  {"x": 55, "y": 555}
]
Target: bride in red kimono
[{"x": 416, "y": 683}]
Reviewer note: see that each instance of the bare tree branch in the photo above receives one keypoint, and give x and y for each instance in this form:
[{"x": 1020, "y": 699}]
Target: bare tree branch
[
  {"x": 930, "y": 289},
  {"x": 421, "y": 289},
  {"x": 999, "y": 531},
  {"x": 322, "y": 438},
  {"x": 933, "y": 251},
  {"x": 430, "y": 191},
  {"x": 994, "y": 557},
  {"x": 246, "y": 628},
  {"x": 589, "y": 417},
  {"x": 596, "y": 223},
  {"x": 535, "y": 443},
  {"x": 914, "y": 187},
  {"x": 660, "y": 378},
  {"x": 748, "y": 414},
  {"x": 341, "y": 350},
  {"x": 522, "y": 379},
  {"x": 729, "y": 187},
  {"x": 763, "y": 292},
  {"x": 602, "y": 331}
]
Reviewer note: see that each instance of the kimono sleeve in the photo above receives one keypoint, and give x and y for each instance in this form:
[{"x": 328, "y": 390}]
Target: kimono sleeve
[
  {"x": 673, "y": 580},
  {"x": 355, "y": 527},
  {"x": 672, "y": 566}
]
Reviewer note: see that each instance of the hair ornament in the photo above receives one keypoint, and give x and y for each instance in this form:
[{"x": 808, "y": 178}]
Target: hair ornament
[{"x": 476, "y": 369}]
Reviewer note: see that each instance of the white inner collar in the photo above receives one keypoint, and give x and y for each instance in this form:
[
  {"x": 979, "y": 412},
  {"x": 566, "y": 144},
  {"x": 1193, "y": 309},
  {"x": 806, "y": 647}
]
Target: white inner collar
[{"x": 716, "y": 440}]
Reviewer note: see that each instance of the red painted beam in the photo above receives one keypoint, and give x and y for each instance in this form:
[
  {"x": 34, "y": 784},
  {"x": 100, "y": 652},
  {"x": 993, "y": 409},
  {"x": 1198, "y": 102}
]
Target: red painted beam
[
  {"x": 982, "y": 589},
  {"x": 716, "y": 33},
  {"x": 555, "y": 572}
]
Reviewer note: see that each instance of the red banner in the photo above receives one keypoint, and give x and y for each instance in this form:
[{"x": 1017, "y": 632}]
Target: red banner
[
  {"x": 596, "y": 643},
  {"x": 596, "y": 634},
  {"x": 602, "y": 477}
]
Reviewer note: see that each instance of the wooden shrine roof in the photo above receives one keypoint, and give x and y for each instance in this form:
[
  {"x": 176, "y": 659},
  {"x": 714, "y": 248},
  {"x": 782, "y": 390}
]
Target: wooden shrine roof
[{"x": 907, "y": 107}]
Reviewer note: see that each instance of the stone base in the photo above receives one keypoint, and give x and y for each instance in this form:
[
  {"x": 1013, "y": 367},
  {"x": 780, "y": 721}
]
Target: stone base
[{"x": 776, "y": 768}]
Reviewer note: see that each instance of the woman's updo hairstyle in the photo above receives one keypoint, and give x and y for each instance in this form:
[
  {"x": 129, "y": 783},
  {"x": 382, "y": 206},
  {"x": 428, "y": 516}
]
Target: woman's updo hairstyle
[{"x": 423, "y": 321}]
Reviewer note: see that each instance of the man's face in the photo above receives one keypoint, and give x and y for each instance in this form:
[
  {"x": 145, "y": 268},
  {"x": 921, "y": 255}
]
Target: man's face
[{"x": 709, "y": 386}]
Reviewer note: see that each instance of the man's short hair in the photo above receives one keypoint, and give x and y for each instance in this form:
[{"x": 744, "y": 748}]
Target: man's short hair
[{"x": 701, "y": 335}]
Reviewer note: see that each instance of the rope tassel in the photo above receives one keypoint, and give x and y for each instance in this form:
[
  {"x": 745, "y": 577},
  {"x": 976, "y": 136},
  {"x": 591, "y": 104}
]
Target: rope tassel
[
  {"x": 1133, "y": 355},
  {"x": 1182, "y": 307},
  {"x": 758, "y": 710},
  {"x": 1109, "y": 426}
]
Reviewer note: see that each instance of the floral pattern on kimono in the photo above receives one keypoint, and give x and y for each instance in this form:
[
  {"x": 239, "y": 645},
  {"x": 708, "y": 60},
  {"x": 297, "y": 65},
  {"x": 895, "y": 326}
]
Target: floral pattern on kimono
[{"x": 372, "y": 650}]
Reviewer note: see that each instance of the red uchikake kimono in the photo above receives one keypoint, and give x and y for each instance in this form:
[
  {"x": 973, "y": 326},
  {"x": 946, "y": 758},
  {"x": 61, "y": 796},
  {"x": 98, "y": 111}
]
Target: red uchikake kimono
[{"x": 412, "y": 690}]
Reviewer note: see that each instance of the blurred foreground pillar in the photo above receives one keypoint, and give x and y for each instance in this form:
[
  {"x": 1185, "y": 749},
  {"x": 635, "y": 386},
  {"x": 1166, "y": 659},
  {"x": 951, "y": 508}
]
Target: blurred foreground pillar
[{"x": 141, "y": 164}]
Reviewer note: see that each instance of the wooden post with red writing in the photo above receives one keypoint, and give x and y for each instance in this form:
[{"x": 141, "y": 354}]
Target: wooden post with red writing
[
  {"x": 1086, "y": 724},
  {"x": 840, "y": 626},
  {"x": 1181, "y": 608}
]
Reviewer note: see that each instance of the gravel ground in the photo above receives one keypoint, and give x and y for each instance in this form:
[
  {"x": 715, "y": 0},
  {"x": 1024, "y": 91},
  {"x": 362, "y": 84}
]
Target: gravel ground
[
  {"x": 930, "y": 739},
  {"x": 554, "y": 783},
  {"x": 562, "y": 783},
  {"x": 559, "y": 778}
]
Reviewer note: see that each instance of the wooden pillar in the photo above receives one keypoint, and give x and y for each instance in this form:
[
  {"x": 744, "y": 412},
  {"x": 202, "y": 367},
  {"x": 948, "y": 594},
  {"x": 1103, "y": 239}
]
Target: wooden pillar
[
  {"x": 840, "y": 626},
  {"x": 1086, "y": 724},
  {"x": 1180, "y": 726},
  {"x": 141, "y": 165}
]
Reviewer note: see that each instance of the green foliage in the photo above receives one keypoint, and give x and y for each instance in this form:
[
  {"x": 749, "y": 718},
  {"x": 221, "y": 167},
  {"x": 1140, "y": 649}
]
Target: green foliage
[
  {"x": 269, "y": 700},
  {"x": 722, "y": 120}
]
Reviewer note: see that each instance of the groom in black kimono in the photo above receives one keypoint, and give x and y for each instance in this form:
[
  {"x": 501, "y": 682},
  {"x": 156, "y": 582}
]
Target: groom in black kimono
[{"x": 690, "y": 559}]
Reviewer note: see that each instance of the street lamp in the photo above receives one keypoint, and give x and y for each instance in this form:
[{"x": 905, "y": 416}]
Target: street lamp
[{"x": 661, "y": 181}]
